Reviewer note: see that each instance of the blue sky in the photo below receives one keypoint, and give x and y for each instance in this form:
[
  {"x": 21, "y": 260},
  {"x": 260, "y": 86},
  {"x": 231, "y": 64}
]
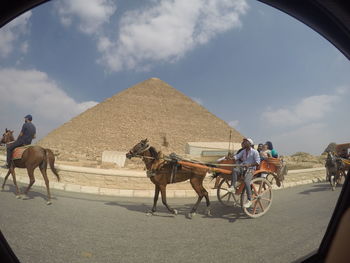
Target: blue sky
[{"x": 265, "y": 73}]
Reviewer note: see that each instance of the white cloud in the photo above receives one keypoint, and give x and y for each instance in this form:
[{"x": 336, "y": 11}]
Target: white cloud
[
  {"x": 234, "y": 124},
  {"x": 309, "y": 109},
  {"x": 309, "y": 125},
  {"x": 168, "y": 30},
  {"x": 89, "y": 15},
  {"x": 32, "y": 91},
  {"x": 24, "y": 47},
  {"x": 198, "y": 100},
  {"x": 342, "y": 90},
  {"x": 11, "y": 32},
  {"x": 312, "y": 138}
]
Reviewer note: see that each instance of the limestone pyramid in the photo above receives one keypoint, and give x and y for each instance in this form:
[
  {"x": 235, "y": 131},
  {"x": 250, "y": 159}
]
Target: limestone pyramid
[{"x": 151, "y": 109}]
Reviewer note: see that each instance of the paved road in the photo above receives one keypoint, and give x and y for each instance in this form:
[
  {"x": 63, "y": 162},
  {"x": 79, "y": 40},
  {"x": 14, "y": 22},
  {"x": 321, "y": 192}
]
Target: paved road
[{"x": 89, "y": 228}]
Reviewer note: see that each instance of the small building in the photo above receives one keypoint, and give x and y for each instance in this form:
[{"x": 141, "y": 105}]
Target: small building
[{"x": 210, "y": 151}]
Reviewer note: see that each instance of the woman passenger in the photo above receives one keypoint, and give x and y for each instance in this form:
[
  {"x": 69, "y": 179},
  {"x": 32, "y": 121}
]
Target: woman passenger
[{"x": 274, "y": 153}]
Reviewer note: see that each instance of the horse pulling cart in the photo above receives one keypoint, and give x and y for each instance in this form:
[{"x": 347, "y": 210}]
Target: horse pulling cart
[{"x": 163, "y": 170}]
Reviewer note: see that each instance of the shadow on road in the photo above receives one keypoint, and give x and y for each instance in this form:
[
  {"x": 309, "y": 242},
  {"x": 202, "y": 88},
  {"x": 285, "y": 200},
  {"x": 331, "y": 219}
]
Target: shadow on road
[
  {"x": 319, "y": 188},
  {"x": 31, "y": 194},
  {"x": 218, "y": 211}
]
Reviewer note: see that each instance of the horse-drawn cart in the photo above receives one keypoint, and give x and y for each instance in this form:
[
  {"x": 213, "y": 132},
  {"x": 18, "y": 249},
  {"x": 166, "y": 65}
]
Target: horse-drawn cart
[
  {"x": 269, "y": 171},
  {"x": 163, "y": 170}
]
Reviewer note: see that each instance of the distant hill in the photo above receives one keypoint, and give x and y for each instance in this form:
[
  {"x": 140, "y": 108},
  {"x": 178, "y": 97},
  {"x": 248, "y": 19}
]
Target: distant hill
[{"x": 151, "y": 109}]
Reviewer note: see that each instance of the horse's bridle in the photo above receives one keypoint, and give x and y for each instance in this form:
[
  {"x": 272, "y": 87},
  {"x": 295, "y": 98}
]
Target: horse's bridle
[
  {"x": 138, "y": 153},
  {"x": 3, "y": 138}
]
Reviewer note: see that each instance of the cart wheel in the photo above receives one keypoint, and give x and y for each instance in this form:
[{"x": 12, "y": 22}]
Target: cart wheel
[
  {"x": 268, "y": 176},
  {"x": 271, "y": 178},
  {"x": 261, "y": 198},
  {"x": 226, "y": 198}
]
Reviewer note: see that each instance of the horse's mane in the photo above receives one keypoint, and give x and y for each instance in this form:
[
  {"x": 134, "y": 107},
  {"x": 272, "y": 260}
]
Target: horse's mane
[{"x": 154, "y": 152}]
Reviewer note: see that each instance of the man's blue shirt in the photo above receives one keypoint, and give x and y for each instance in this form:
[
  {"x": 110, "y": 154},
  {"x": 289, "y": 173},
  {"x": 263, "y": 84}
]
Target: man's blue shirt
[{"x": 28, "y": 131}]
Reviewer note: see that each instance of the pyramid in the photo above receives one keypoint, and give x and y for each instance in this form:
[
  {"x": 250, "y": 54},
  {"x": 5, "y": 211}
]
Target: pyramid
[{"x": 151, "y": 109}]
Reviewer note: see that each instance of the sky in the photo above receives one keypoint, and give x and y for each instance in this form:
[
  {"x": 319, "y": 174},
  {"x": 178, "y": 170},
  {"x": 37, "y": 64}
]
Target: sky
[{"x": 266, "y": 74}]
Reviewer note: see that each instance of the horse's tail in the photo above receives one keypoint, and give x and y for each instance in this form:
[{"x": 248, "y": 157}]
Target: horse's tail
[{"x": 51, "y": 160}]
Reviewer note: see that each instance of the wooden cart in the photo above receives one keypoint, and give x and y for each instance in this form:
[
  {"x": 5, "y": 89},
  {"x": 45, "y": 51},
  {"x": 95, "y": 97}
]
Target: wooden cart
[{"x": 270, "y": 170}]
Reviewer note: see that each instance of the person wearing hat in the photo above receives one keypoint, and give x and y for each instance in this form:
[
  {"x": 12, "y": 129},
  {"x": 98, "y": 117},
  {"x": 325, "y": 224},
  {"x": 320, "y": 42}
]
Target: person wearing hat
[
  {"x": 250, "y": 158},
  {"x": 25, "y": 137}
]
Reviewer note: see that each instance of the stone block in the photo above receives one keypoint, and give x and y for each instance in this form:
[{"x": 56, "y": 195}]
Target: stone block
[
  {"x": 191, "y": 193},
  {"x": 56, "y": 185},
  {"x": 179, "y": 193},
  {"x": 72, "y": 188},
  {"x": 109, "y": 191},
  {"x": 169, "y": 193},
  {"x": 90, "y": 189},
  {"x": 126, "y": 192},
  {"x": 114, "y": 157},
  {"x": 143, "y": 193}
]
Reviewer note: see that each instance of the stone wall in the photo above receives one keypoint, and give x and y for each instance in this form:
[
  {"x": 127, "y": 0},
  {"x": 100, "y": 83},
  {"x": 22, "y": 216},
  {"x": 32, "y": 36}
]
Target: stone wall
[{"x": 131, "y": 183}]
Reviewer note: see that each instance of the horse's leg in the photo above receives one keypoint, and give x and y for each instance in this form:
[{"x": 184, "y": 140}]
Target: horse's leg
[
  {"x": 206, "y": 196},
  {"x": 12, "y": 171},
  {"x": 196, "y": 186},
  {"x": 155, "y": 199},
  {"x": 162, "y": 189},
  {"x": 217, "y": 181},
  {"x": 7, "y": 175},
  {"x": 43, "y": 168},
  {"x": 30, "y": 171}
]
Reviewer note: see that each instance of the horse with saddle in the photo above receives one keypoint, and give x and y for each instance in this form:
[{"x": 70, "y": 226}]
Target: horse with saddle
[{"x": 29, "y": 157}]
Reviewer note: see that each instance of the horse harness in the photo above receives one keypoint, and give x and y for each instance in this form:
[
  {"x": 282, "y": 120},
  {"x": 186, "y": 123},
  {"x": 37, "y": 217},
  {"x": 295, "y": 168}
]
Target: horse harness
[{"x": 175, "y": 166}]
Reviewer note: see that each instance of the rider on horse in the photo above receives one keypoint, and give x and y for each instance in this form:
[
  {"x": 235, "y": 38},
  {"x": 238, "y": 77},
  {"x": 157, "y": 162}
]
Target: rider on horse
[{"x": 25, "y": 137}]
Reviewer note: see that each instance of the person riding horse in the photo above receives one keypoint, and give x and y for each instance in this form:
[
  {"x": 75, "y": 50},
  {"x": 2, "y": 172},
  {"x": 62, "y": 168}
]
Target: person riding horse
[{"x": 25, "y": 137}]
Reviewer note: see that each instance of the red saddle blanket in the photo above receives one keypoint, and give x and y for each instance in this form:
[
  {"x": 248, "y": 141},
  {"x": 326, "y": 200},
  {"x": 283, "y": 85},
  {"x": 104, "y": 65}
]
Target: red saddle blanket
[{"x": 17, "y": 152}]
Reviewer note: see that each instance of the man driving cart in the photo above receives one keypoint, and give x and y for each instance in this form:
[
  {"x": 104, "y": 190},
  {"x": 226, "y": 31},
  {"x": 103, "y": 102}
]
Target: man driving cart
[{"x": 250, "y": 159}]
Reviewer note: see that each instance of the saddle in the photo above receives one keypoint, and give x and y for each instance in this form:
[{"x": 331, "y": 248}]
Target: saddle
[
  {"x": 170, "y": 162},
  {"x": 18, "y": 152}
]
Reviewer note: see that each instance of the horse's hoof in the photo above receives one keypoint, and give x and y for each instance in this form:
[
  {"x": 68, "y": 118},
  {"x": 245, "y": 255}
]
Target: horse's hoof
[
  {"x": 208, "y": 212},
  {"x": 18, "y": 196},
  {"x": 175, "y": 212},
  {"x": 149, "y": 212},
  {"x": 48, "y": 202},
  {"x": 191, "y": 215}
]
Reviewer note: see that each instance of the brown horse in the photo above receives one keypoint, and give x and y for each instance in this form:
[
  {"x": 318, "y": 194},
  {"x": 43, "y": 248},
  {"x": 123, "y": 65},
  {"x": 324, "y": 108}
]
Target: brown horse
[
  {"x": 163, "y": 172},
  {"x": 32, "y": 157}
]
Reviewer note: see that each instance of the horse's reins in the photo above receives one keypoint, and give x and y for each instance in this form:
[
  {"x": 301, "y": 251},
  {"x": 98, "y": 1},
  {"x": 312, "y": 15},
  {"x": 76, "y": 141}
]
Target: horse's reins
[{"x": 167, "y": 158}]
